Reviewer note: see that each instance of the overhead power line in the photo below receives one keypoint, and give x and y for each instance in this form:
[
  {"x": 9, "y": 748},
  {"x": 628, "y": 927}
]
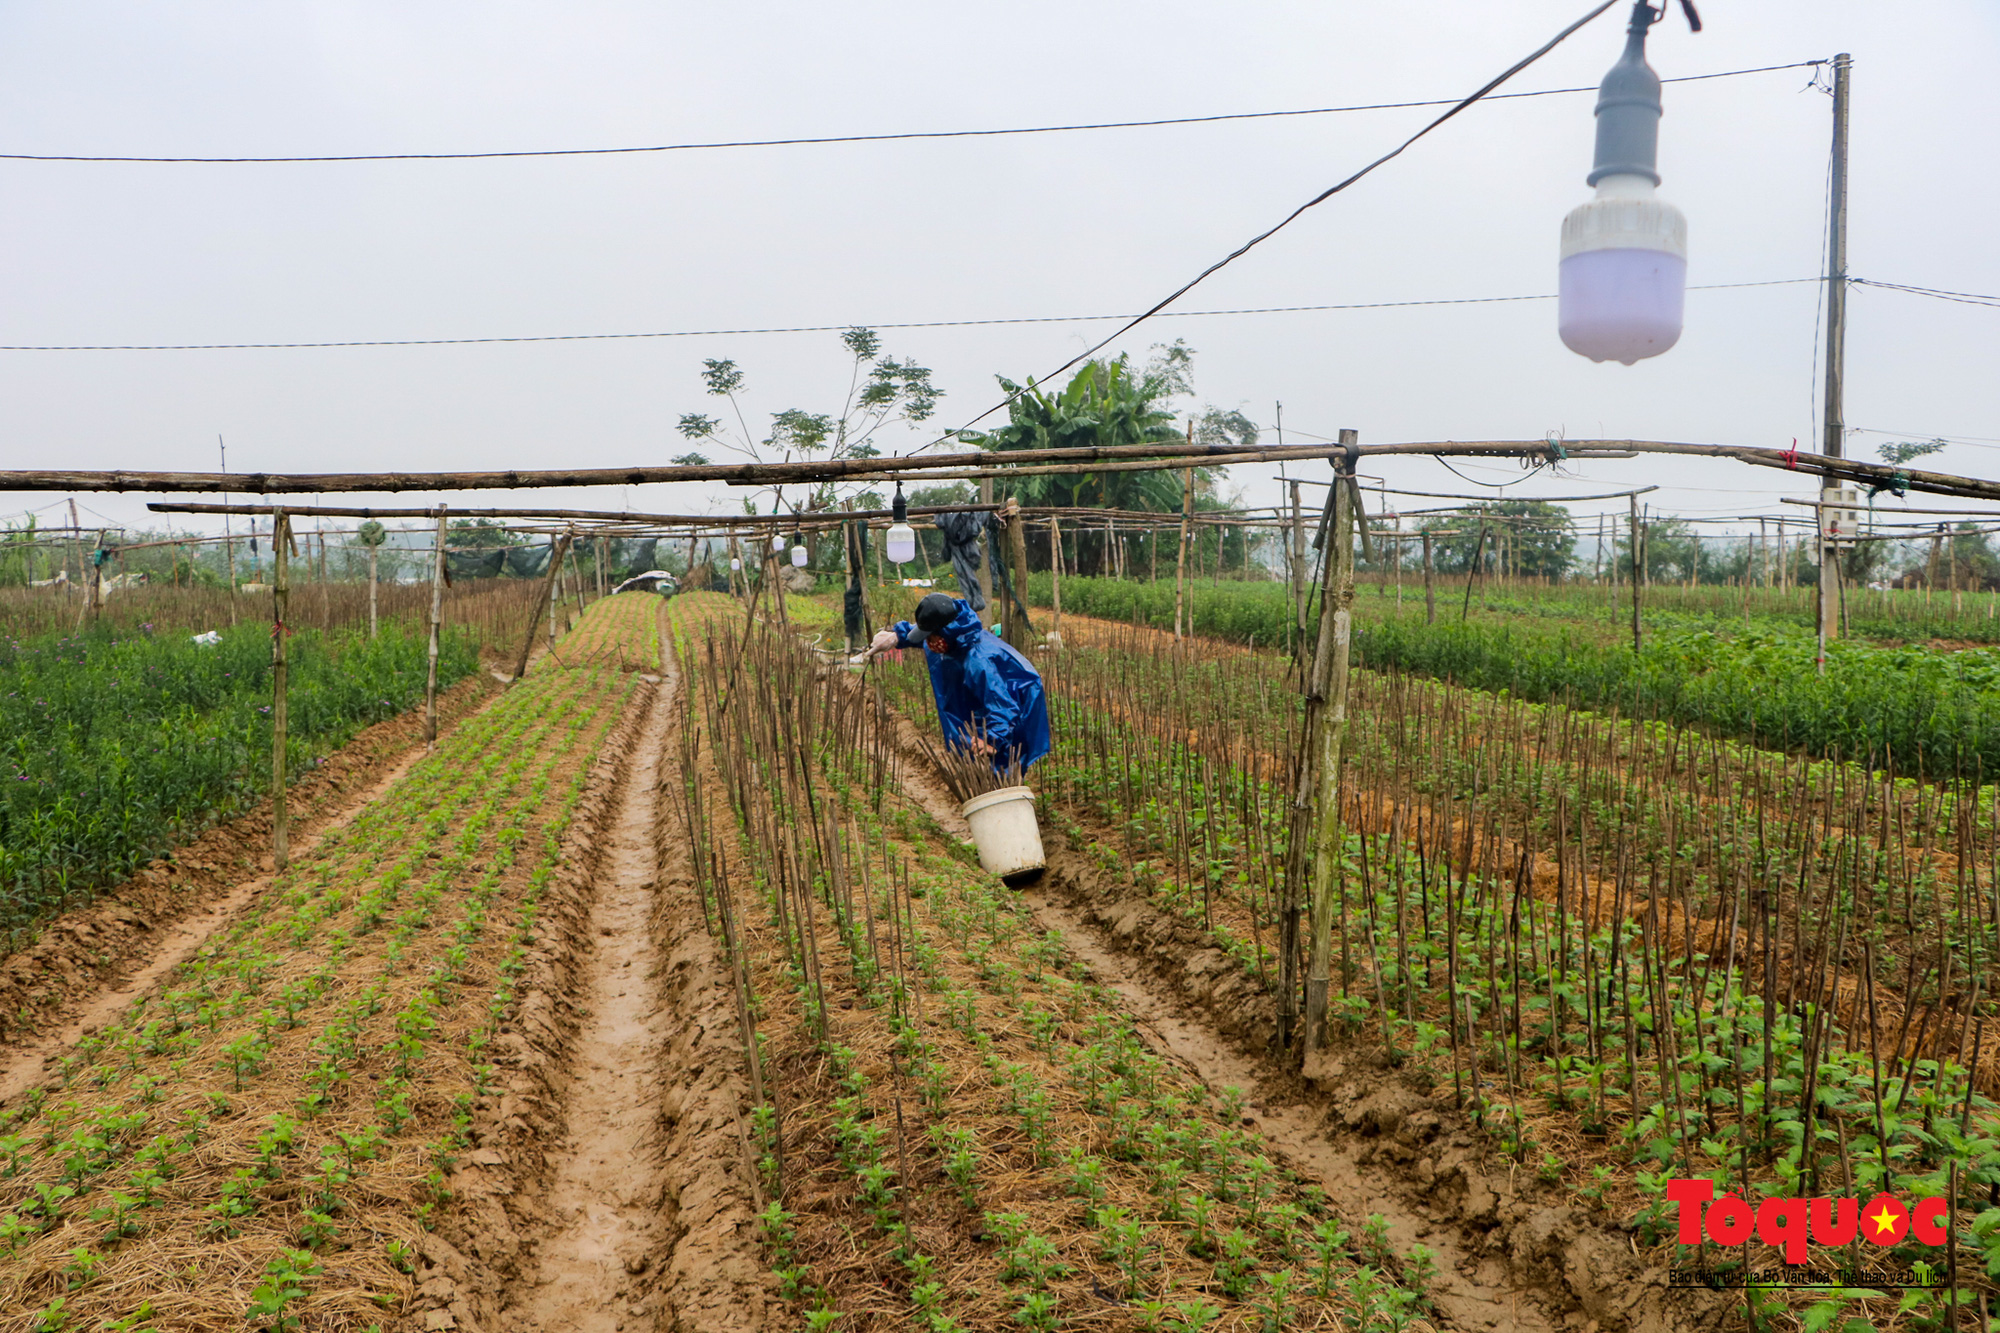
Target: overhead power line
[
  {"x": 817, "y": 328},
  {"x": 893, "y": 137},
  {"x": 1485, "y": 90},
  {"x": 1967, "y": 298}
]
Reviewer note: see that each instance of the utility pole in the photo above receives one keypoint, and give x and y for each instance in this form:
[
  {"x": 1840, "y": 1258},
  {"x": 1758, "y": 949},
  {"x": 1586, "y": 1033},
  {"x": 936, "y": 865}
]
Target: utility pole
[{"x": 1835, "y": 425}]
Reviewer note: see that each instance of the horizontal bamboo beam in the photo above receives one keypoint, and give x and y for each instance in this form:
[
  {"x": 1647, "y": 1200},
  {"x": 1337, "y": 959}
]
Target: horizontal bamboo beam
[
  {"x": 825, "y": 516},
  {"x": 1085, "y": 460}
]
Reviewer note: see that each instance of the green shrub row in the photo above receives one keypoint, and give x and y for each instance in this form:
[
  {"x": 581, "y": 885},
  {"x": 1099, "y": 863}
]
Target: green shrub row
[
  {"x": 115, "y": 746},
  {"x": 1910, "y": 708}
]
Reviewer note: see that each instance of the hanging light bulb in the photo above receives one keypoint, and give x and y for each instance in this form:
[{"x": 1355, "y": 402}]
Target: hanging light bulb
[
  {"x": 799, "y": 555},
  {"x": 735, "y": 563},
  {"x": 777, "y": 542},
  {"x": 901, "y": 547},
  {"x": 1623, "y": 276}
]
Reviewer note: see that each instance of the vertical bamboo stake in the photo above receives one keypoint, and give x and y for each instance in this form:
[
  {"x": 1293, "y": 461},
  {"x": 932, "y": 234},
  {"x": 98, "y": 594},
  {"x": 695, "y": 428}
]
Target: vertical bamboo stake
[
  {"x": 1298, "y": 577},
  {"x": 983, "y": 576},
  {"x": 1331, "y": 837},
  {"x": 1312, "y": 685},
  {"x": 1055, "y": 571},
  {"x": 535, "y": 615},
  {"x": 1180, "y": 560},
  {"x": 437, "y": 615},
  {"x": 1430, "y": 587},
  {"x": 552, "y": 588},
  {"x": 1021, "y": 635},
  {"x": 281, "y": 590},
  {"x": 1638, "y": 563}
]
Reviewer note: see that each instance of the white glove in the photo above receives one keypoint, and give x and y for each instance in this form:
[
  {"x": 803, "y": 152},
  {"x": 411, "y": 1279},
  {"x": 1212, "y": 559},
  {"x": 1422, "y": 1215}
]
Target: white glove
[{"x": 884, "y": 640}]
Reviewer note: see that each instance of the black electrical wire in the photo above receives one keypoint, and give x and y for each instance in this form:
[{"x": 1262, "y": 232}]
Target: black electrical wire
[
  {"x": 1320, "y": 198},
  {"x": 892, "y": 137},
  {"x": 1966, "y": 298},
  {"x": 818, "y": 328}
]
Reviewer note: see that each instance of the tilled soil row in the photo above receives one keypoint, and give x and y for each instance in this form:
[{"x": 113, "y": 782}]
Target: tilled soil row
[
  {"x": 84, "y": 954},
  {"x": 713, "y": 1275},
  {"x": 609, "y": 1187},
  {"x": 481, "y": 1250}
]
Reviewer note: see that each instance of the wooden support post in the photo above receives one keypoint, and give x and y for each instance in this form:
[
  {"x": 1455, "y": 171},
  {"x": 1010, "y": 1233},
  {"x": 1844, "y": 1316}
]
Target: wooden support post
[
  {"x": 534, "y": 619},
  {"x": 437, "y": 616},
  {"x": 1430, "y": 583},
  {"x": 373, "y": 584},
  {"x": 1055, "y": 573},
  {"x": 1020, "y": 628},
  {"x": 1472, "y": 573},
  {"x": 1180, "y": 560},
  {"x": 1297, "y": 548},
  {"x": 281, "y": 590},
  {"x": 1329, "y": 842},
  {"x": 599, "y": 569},
  {"x": 1637, "y": 542},
  {"x": 1312, "y": 685},
  {"x": 983, "y": 576}
]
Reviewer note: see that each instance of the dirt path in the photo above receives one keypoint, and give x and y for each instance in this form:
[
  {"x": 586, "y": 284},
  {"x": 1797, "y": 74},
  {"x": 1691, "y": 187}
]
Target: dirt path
[{"x": 606, "y": 1191}]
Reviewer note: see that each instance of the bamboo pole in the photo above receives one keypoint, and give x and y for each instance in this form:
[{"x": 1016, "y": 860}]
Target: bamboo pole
[
  {"x": 1430, "y": 583},
  {"x": 1312, "y": 685},
  {"x": 988, "y": 588},
  {"x": 1083, "y": 459},
  {"x": 1298, "y": 577},
  {"x": 373, "y": 583},
  {"x": 437, "y": 616},
  {"x": 534, "y": 621},
  {"x": 1055, "y": 574},
  {"x": 1329, "y": 843},
  {"x": 281, "y": 590},
  {"x": 1022, "y": 636},
  {"x": 1638, "y": 563},
  {"x": 1180, "y": 559}
]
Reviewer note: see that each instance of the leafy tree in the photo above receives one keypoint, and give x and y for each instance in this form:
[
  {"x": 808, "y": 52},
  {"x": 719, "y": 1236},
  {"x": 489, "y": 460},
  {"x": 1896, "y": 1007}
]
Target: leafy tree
[
  {"x": 1897, "y": 453},
  {"x": 1543, "y": 540},
  {"x": 480, "y": 532},
  {"x": 1107, "y": 404},
  {"x": 880, "y": 390}
]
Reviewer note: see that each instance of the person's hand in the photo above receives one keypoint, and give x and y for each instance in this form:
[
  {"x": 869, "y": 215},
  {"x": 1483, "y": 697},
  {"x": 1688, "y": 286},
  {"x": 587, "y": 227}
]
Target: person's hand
[
  {"x": 980, "y": 746},
  {"x": 884, "y": 640}
]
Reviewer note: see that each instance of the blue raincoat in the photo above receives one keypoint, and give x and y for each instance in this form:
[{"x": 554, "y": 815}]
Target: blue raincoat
[{"x": 983, "y": 686}]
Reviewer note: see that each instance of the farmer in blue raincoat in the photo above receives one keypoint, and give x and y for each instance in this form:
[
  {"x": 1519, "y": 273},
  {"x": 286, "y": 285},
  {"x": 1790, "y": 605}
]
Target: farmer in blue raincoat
[{"x": 989, "y": 697}]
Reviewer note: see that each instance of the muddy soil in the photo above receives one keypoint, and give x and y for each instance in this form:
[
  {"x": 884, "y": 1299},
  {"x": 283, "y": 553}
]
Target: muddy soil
[
  {"x": 87, "y": 964},
  {"x": 605, "y": 1192},
  {"x": 633, "y": 1202}
]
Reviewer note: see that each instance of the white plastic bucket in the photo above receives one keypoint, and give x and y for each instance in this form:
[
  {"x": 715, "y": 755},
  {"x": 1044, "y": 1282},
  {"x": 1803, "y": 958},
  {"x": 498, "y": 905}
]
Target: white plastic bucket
[{"x": 1005, "y": 832}]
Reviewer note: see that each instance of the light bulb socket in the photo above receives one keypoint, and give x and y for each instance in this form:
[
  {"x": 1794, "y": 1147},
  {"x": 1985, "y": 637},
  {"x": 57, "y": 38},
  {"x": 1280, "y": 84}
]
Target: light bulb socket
[{"x": 899, "y": 508}]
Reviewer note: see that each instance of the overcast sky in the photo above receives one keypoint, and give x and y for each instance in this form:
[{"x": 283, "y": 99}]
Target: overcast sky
[{"x": 1045, "y": 225}]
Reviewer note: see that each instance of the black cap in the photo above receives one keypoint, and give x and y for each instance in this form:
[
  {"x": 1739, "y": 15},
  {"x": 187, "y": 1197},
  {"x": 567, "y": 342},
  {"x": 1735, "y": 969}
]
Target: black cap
[{"x": 935, "y": 612}]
